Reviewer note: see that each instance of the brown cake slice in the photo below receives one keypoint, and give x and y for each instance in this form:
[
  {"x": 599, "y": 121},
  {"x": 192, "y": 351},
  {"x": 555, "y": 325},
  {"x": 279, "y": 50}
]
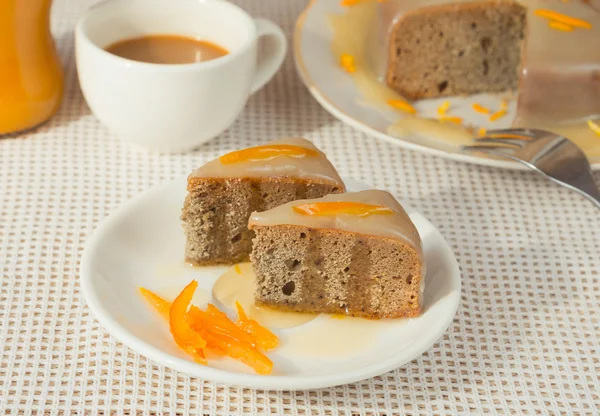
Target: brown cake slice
[
  {"x": 357, "y": 254},
  {"x": 223, "y": 193},
  {"x": 441, "y": 48}
]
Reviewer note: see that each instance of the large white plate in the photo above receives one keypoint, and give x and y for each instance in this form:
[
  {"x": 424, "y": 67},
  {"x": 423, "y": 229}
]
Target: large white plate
[
  {"x": 142, "y": 245},
  {"x": 337, "y": 93}
]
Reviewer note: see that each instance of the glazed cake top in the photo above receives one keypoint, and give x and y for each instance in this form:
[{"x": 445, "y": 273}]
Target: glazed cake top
[
  {"x": 396, "y": 225},
  {"x": 313, "y": 165}
]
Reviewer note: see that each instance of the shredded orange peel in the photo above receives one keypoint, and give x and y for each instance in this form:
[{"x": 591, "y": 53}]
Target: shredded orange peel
[
  {"x": 347, "y": 62},
  {"x": 451, "y": 119},
  {"x": 498, "y": 115},
  {"x": 594, "y": 127},
  {"x": 341, "y": 207},
  {"x": 481, "y": 109},
  {"x": 402, "y": 105},
  {"x": 347, "y": 3},
  {"x": 197, "y": 331},
  {"x": 563, "y": 18},
  {"x": 563, "y": 27},
  {"x": 442, "y": 109},
  {"x": 268, "y": 151},
  {"x": 508, "y": 136}
]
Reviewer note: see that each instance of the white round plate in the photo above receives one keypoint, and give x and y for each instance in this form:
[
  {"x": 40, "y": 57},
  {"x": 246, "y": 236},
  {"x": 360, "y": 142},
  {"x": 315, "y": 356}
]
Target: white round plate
[
  {"x": 336, "y": 92},
  {"x": 142, "y": 245}
]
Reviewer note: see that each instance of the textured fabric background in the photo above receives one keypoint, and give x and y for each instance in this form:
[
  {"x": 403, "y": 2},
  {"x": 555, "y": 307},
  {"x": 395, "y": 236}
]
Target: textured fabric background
[{"x": 525, "y": 339}]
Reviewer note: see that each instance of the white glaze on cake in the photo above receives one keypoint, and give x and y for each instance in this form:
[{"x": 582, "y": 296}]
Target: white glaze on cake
[
  {"x": 397, "y": 225},
  {"x": 306, "y": 167}
]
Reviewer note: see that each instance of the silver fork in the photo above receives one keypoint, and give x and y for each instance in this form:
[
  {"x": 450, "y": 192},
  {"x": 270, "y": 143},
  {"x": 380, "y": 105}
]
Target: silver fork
[{"x": 554, "y": 156}]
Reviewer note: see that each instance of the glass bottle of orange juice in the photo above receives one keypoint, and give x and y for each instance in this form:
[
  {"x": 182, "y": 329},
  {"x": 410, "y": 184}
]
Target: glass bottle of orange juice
[{"x": 31, "y": 79}]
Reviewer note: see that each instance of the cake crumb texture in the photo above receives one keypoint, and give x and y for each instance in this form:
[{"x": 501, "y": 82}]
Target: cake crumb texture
[
  {"x": 216, "y": 211},
  {"x": 304, "y": 269},
  {"x": 457, "y": 49}
]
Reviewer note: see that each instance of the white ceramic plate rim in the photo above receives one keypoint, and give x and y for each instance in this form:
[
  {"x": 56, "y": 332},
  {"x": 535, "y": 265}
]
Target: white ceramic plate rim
[
  {"x": 329, "y": 104},
  {"x": 239, "y": 379}
]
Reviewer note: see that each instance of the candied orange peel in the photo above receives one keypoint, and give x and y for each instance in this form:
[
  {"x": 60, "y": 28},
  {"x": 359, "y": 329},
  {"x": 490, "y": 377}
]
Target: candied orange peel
[
  {"x": 451, "y": 119},
  {"x": 563, "y": 27},
  {"x": 480, "y": 109},
  {"x": 199, "y": 331},
  {"x": 442, "y": 109},
  {"x": 333, "y": 208},
  {"x": 268, "y": 151},
  {"x": 498, "y": 115},
  {"x": 347, "y": 62},
  {"x": 594, "y": 127},
  {"x": 402, "y": 105},
  {"x": 563, "y": 18},
  {"x": 161, "y": 305},
  {"x": 183, "y": 334}
]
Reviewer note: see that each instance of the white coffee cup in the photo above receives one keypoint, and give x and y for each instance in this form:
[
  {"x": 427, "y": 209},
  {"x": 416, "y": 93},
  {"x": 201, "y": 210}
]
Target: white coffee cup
[{"x": 172, "y": 108}]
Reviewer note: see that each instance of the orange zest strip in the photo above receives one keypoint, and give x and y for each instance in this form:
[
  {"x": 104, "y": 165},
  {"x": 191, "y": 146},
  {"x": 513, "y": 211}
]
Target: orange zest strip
[
  {"x": 481, "y": 109},
  {"x": 219, "y": 325},
  {"x": 449, "y": 119},
  {"x": 560, "y": 26},
  {"x": 508, "y": 136},
  {"x": 346, "y": 3},
  {"x": 267, "y": 152},
  {"x": 497, "y": 115},
  {"x": 161, "y": 305},
  {"x": 442, "y": 109},
  {"x": 197, "y": 331},
  {"x": 481, "y": 132},
  {"x": 563, "y": 18},
  {"x": 594, "y": 127},
  {"x": 333, "y": 208},
  {"x": 347, "y": 62},
  {"x": 265, "y": 338},
  {"x": 225, "y": 338},
  {"x": 402, "y": 105},
  {"x": 237, "y": 268},
  {"x": 183, "y": 334}
]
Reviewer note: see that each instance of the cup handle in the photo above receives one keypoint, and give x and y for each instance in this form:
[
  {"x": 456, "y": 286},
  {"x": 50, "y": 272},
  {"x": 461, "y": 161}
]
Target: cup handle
[{"x": 268, "y": 65}]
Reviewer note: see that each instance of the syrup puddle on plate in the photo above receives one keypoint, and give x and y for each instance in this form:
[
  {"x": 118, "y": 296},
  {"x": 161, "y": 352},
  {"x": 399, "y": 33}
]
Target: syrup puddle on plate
[
  {"x": 325, "y": 336},
  {"x": 332, "y": 338},
  {"x": 237, "y": 284},
  {"x": 318, "y": 336}
]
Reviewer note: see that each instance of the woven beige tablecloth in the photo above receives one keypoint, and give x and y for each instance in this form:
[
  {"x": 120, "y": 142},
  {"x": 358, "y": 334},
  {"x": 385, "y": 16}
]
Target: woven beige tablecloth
[{"x": 524, "y": 341}]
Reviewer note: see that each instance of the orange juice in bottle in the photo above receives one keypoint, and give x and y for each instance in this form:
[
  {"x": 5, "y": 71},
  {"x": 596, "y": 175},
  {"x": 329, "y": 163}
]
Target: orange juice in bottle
[{"x": 31, "y": 79}]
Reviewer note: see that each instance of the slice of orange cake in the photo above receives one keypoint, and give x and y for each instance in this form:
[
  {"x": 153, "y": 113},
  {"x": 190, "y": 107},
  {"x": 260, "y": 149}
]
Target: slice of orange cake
[
  {"x": 223, "y": 193},
  {"x": 355, "y": 253}
]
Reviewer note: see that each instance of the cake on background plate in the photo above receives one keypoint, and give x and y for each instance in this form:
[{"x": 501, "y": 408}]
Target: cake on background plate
[
  {"x": 224, "y": 192},
  {"x": 456, "y": 48},
  {"x": 354, "y": 253},
  {"x": 434, "y": 48}
]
